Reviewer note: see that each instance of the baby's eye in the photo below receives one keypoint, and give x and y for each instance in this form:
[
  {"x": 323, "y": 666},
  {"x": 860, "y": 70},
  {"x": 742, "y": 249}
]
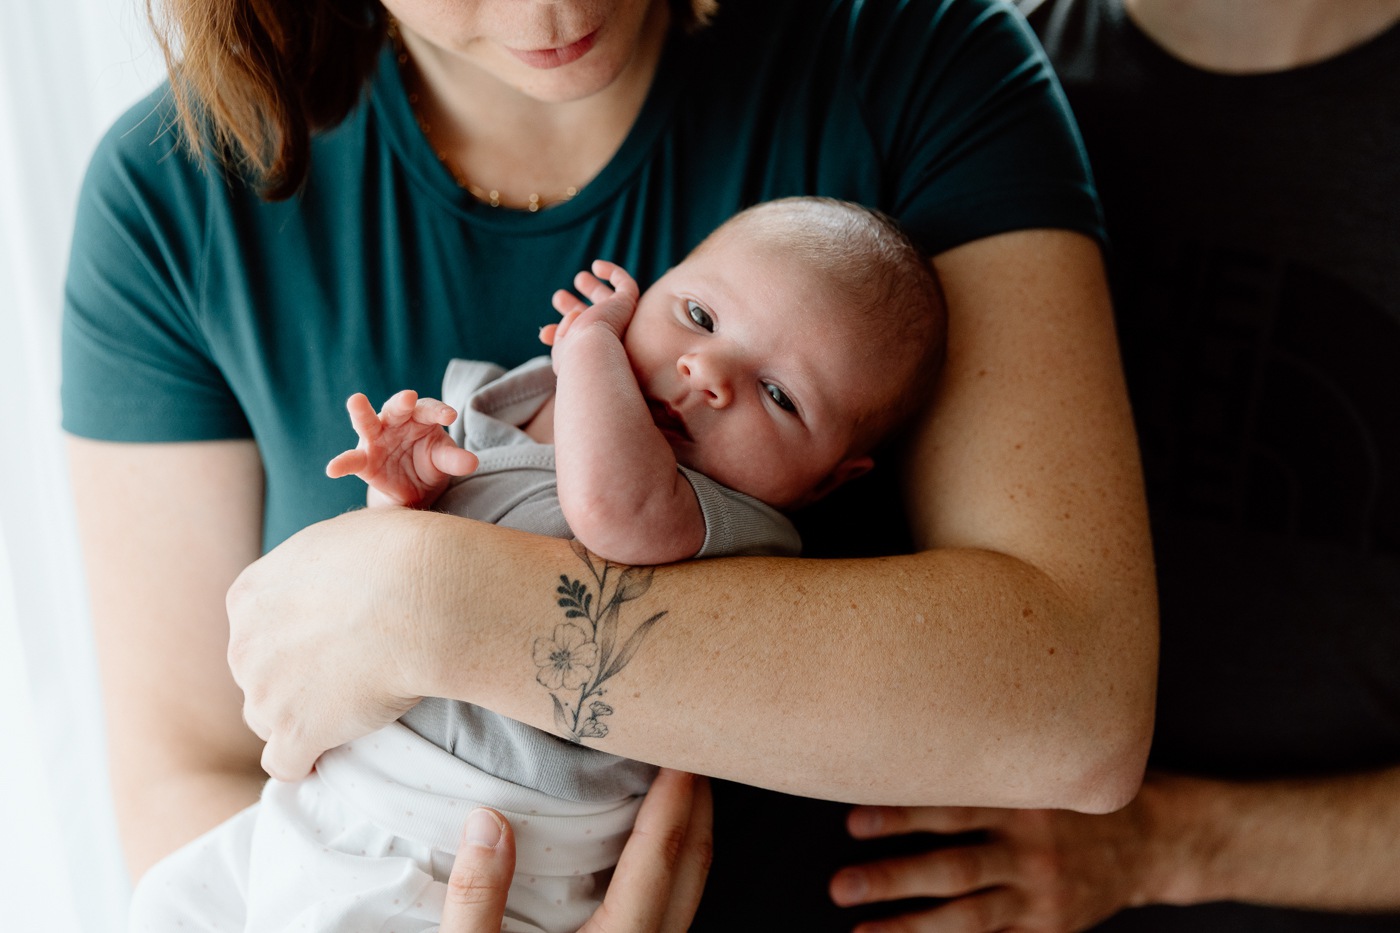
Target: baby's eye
[
  {"x": 779, "y": 397},
  {"x": 700, "y": 316}
]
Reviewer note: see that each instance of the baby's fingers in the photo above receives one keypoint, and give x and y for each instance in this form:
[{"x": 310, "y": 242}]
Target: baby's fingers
[
  {"x": 621, "y": 281},
  {"x": 565, "y": 302},
  {"x": 556, "y": 332},
  {"x": 399, "y": 408},
  {"x": 453, "y": 460},
  {"x": 432, "y": 411},
  {"x": 363, "y": 418},
  {"x": 347, "y": 464},
  {"x": 591, "y": 287}
]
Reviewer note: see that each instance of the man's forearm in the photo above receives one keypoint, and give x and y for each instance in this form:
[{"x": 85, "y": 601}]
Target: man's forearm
[
  {"x": 1321, "y": 843},
  {"x": 951, "y": 677}
]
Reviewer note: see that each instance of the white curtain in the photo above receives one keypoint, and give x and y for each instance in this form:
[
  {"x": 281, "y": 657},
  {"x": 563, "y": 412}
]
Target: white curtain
[{"x": 67, "y": 69}]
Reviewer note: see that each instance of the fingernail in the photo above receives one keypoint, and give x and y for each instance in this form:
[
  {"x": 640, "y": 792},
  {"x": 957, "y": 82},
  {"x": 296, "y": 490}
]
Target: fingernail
[{"x": 483, "y": 828}]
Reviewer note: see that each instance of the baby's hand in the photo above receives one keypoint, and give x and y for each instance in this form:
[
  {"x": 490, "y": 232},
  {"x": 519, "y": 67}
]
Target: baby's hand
[
  {"x": 404, "y": 454},
  {"x": 613, "y": 295}
]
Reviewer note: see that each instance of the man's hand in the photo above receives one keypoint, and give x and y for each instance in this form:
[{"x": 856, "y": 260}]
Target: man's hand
[
  {"x": 656, "y": 886},
  {"x": 1035, "y": 871},
  {"x": 403, "y": 454}
]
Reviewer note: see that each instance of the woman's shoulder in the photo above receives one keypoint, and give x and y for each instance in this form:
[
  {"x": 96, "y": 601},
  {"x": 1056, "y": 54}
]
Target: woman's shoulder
[{"x": 144, "y": 179}]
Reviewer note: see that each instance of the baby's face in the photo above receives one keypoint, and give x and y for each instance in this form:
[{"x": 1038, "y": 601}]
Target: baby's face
[{"x": 751, "y": 371}]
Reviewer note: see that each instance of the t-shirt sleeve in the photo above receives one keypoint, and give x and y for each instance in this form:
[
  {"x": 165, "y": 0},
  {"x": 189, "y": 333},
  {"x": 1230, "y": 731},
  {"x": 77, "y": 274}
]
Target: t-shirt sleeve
[
  {"x": 737, "y": 525},
  {"x": 135, "y": 362},
  {"x": 975, "y": 131}
]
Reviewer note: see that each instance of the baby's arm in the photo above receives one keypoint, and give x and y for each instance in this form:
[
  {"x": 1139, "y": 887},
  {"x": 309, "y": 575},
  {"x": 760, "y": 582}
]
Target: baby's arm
[
  {"x": 404, "y": 454},
  {"x": 619, "y": 487}
]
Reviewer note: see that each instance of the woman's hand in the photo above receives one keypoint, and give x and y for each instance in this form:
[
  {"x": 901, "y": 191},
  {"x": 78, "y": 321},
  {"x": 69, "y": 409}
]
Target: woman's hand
[
  {"x": 311, "y": 639},
  {"x": 1033, "y": 871},
  {"x": 656, "y": 887}
]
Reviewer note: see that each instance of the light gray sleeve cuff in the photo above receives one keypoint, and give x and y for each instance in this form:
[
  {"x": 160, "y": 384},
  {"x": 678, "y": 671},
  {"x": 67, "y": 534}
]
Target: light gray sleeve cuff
[{"x": 736, "y": 524}]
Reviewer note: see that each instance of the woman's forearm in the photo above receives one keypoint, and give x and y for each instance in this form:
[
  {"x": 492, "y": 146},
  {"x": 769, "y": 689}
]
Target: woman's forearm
[
  {"x": 946, "y": 677},
  {"x": 1330, "y": 843},
  {"x": 1011, "y": 663}
]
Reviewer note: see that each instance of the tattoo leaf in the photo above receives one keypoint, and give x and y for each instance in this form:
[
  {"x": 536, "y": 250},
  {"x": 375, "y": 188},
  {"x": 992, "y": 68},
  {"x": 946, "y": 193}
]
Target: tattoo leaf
[
  {"x": 634, "y": 582},
  {"x": 582, "y": 553},
  {"x": 560, "y": 717},
  {"x": 607, "y": 632},
  {"x": 630, "y": 647}
]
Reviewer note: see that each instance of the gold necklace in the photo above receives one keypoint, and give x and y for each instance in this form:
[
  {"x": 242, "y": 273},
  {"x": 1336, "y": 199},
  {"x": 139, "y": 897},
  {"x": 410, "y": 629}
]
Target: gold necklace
[{"x": 490, "y": 196}]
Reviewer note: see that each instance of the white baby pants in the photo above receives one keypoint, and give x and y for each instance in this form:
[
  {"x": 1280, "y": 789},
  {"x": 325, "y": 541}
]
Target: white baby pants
[{"x": 365, "y": 845}]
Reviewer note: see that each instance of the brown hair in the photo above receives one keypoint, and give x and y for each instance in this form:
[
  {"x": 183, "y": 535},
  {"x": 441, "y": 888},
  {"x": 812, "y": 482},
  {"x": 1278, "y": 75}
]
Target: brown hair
[
  {"x": 896, "y": 302},
  {"x": 252, "y": 80}
]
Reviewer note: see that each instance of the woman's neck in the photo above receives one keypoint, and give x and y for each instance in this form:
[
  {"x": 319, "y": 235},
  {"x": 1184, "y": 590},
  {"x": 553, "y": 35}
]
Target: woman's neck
[
  {"x": 1251, "y": 36},
  {"x": 497, "y": 137}
]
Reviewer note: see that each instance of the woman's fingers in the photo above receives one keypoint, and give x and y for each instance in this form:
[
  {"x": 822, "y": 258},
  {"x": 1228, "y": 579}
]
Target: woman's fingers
[
  {"x": 481, "y": 875},
  {"x": 286, "y": 760}
]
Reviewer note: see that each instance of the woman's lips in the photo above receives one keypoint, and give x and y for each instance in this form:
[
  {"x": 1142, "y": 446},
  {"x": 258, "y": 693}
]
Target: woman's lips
[{"x": 554, "y": 58}]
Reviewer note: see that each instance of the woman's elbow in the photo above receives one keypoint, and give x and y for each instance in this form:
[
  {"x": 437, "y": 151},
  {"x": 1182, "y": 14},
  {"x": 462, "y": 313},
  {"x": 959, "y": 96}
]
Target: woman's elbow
[{"x": 1111, "y": 778}]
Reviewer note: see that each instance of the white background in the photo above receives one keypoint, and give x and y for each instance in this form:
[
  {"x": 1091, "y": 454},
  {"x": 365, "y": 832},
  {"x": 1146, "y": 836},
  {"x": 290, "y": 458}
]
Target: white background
[{"x": 67, "y": 69}]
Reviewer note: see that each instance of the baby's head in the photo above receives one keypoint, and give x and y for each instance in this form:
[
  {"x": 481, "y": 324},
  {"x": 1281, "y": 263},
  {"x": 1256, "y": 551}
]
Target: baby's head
[{"x": 787, "y": 345}]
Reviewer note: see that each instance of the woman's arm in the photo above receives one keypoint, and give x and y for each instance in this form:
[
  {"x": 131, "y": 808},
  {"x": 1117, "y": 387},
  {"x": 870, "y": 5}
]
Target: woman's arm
[
  {"x": 1011, "y": 663},
  {"x": 165, "y": 528}
]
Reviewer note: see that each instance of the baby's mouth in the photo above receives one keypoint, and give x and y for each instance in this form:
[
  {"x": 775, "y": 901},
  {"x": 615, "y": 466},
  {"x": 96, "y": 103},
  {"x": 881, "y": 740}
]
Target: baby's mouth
[{"x": 667, "y": 420}]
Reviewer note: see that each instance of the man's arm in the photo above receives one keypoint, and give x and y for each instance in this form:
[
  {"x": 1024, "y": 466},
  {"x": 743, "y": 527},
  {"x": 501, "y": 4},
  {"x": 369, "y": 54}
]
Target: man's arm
[
  {"x": 165, "y": 528},
  {"x": 619, "y": 487},
  {"x": 1011, "y": 663},
  {"x": 1327, "y": 843}
]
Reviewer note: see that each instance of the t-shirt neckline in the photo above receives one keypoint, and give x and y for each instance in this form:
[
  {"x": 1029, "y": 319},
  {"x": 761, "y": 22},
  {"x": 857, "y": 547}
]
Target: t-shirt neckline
[
  {"x": 1378, "y": 51},
  {"x": 390, "y": 101}
]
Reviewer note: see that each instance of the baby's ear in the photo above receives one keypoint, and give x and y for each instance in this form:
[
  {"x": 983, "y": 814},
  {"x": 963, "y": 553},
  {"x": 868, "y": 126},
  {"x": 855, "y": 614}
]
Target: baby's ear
[{"x": 845, "y": 471}]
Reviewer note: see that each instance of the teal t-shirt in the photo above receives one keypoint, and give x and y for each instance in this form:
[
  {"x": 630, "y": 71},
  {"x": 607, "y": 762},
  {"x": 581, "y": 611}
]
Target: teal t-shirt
[{"x": 196, "y": 311}]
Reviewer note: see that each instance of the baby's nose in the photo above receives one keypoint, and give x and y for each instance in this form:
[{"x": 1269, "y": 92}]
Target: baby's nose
[{"x": 708, "y": 378}]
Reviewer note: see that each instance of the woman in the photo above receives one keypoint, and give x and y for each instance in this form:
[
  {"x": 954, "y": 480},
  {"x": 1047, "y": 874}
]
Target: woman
[
  {"x": 1245, "y": 152},
  {"x": 1003, "y": 655}
]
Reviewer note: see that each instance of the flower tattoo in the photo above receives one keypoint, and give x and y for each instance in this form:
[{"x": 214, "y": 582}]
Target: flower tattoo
[
  {"x": 582, "y": 654},
  {"x": 566, "y": 659}
]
